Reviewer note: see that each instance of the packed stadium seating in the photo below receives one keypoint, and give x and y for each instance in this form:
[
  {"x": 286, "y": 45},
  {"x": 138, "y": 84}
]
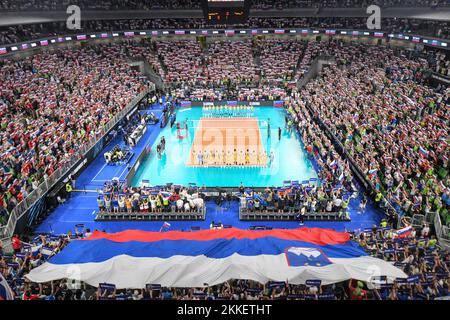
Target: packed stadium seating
[
  {"x": 19, "y": 33},
  {"x": 34, "y": 5},
  {"x": 67, "y": 94},
  {"x": 419, "y": 187}
]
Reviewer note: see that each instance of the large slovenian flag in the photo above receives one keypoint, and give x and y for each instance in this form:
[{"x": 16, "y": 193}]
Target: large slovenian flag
[
  {"x": 5, "y": 291},
  {"x": 132, "y": 259}
]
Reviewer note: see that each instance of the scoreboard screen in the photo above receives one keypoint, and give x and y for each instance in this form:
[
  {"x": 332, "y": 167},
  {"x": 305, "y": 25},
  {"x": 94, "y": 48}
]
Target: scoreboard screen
[
  {"x": 226, "y": 3},
  {"x": 226, "y": 11}
]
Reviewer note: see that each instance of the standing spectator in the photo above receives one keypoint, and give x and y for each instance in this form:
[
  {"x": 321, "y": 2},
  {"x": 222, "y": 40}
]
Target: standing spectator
[
  {"x": 357, "y": 293},
  {"x": 16, "y": 243}
]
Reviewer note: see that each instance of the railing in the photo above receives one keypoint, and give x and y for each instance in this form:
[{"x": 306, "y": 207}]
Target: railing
[
  {"x": 442, "y": 232},
  {"x": 64, "y": 169},
  {"x": 246, "y": 214},
  {"x": 172, "y": 215}
]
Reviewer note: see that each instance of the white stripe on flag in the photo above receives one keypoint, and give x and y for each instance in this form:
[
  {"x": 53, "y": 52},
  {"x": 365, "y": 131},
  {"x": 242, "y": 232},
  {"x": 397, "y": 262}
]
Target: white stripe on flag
[
  {"x": 194, "y": 271},
  {"x": 5, "y": 291}
]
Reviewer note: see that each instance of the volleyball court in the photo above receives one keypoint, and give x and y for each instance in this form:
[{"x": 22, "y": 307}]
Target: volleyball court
[{"x": 227, "y": 142}]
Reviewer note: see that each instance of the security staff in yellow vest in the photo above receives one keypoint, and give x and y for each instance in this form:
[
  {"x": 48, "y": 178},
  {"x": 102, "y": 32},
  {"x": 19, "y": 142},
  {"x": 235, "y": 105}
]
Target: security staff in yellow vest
[
  {"x": 378, "y": 198},
  {"x": 383, "y": 223},
  {"x": 165, "y": 203},
  {"x": 69, "y": 189},
  {"x": 432, "y": 242},
  {"x": 345, "y": 204}
]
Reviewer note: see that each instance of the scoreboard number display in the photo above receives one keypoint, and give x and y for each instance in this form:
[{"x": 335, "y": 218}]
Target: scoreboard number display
[{"x": 226, "y": 11}]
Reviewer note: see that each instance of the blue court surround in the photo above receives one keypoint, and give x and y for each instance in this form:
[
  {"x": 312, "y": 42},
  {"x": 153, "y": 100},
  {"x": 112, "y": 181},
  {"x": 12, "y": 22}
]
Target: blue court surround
[
  {"x": 81, "y": 207},
  {"x": 290, "y": 160}
]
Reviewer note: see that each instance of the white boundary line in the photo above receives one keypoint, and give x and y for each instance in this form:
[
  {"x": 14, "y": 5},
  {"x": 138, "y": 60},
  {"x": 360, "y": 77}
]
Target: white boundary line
[
  {"x": 99, "y": 171},
  {"x": 115, "y": 174},
  {"x": 123, "y": 172},
  {"x": 78, "y": 221},
  {"x": 228, "y": 119},
  {"x": 82, "y": 208}
]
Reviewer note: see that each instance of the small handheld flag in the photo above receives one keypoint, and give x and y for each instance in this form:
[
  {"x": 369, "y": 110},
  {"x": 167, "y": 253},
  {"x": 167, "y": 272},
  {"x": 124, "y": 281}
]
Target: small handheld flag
[
  {"x": 424, "y": 152},
  {"x": 165, "y": 225},
  {"x": 403, "y": 233}
]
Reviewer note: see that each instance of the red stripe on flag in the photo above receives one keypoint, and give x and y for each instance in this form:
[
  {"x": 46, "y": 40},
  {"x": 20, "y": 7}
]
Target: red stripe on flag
[{"x": 312, "y": 235}]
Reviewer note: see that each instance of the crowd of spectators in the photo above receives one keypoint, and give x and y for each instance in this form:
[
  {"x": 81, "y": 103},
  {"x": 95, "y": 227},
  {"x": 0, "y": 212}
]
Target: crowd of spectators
[
  {"x": 418, "y": 255},
  {"x": 279, "y": 59},
  {"x": 283, "y": 4},
  {"x": 300, "y": 199},
  {"x": 442, "y": 65},
  {"x": 230, "y": 63},
  {"x": 118, "y": 198},
  {"x": 61, "y": 5},
  {"x": 232, "y": 92},
  {"x": 182, "y": 60},
  {"x": 395, "y": 128},
  {"x": 19, "y": 33},
  {"x": 51, "y": 104},
  {"x": 53, "y": 5},
  {"x": 250, "y": 63}
]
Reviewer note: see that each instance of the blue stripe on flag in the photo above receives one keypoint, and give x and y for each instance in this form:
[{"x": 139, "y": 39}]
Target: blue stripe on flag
[{"x": 83, "y": 251}]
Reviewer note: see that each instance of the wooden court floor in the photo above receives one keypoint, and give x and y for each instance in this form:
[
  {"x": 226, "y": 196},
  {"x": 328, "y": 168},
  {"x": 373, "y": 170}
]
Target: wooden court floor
[{"x": 227, "y": 142}]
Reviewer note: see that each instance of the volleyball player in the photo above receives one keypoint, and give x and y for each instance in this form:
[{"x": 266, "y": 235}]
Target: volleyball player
[
  {"x": 178, "y": 129},
  {"x": 247, "y": 157},
  {"x": 211, "y": 157},
  {"x": 217, "y": 157},
  {"x": 264, "y": 157},
  {"x": 205, "y": 157},
  {"x": 200, "y": 157},
  {"x": 241, "y": 157},
  {"x": 229, "y": 161},
  {"x": 223, "y": 157},
  {"x": 194, "y": 156},
  {"x": 253, "y": 157}
]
